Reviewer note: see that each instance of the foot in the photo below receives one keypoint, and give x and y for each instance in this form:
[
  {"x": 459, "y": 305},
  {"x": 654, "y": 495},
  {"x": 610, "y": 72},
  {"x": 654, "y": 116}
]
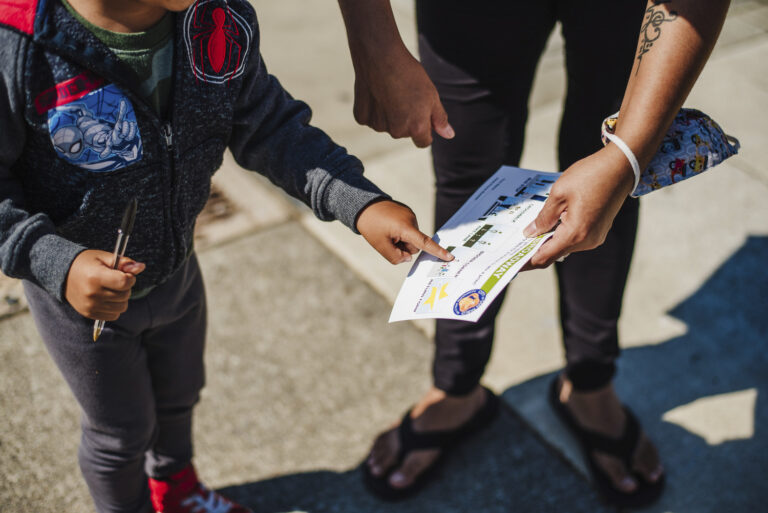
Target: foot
[
  {"x": 602, "y": 412},
  {"x": 436, "y": 411},
  {"x": 183, "y": 493}
]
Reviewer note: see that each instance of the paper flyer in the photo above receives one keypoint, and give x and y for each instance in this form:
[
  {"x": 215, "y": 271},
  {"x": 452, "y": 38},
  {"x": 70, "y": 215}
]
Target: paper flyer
[{"x": 486, "y": 238}]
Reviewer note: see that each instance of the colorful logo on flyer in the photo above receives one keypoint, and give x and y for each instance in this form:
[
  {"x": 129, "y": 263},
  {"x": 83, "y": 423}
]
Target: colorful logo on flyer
[
  {"x": 469, "y": 302},
  {"x": 97, "y": 132},
  {"x": 217, "y": 40}
]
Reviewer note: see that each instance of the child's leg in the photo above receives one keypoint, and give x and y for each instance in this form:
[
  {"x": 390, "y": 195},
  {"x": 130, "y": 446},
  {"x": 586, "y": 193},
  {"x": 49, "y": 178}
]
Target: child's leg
[
  {"x": 174, "y": 344},
  {"x": 116, "y": 379},
  {"x": 111, "y": 382}
]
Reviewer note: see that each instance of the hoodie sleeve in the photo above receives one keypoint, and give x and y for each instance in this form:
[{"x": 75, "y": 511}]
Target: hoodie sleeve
[
  {"x": 29, "y": 245},
  {"x": 271, "y": 135}
]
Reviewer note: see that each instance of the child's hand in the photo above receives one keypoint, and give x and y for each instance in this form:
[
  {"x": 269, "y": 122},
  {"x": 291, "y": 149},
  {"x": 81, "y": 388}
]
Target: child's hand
[
  {"x": 96, "y": 290},
  {"x": 392, "y": 230}
]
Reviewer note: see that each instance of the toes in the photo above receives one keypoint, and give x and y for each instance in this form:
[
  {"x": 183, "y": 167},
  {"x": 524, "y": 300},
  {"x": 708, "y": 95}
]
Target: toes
[
  {"x": 621, "y": 479},
  {"x": 413, "y": 465},
  {"x": 646, "y": 461},
  {"x": 383, "y": 453}
]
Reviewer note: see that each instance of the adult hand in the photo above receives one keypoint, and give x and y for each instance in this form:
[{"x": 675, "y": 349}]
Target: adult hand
[
  {"x": 393, "y": 94},
  {"x": 391, "y": 228},
  {"x": 585, "y": 201},
  {"x": 96, "y": 290}
]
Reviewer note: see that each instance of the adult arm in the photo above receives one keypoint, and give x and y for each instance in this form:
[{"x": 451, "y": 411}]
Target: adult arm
[
  {"x": 393, "y": 93},
  {"x": 272, "y": 135},
  {"x": 676, "y": 39}
]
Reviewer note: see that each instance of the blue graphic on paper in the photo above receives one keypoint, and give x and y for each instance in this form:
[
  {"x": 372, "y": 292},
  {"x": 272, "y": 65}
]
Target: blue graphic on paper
[
  {"x": 98, "y": 132},
  {"x": 469, "y": 302}
]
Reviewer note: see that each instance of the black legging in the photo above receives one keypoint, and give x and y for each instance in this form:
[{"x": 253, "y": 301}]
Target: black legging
[{"x": 482, "y": 57}]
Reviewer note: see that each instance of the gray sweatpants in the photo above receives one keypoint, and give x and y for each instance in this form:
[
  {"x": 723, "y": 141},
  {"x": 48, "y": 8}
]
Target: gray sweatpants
[{"x": 136, "y": 385}]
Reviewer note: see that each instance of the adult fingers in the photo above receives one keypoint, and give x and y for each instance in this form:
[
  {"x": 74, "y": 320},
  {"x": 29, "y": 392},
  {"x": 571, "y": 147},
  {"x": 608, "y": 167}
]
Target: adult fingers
[
  {"x": 376, "y": 119},
  {"x": 547, "y": 218},
  {"x": 440, "y": 122},
  {"x": 421, "y": 133},
  {"x": 548, "y": 253},
  {"x": 562, "y": 243},
  {"x": 362, "y": 105},
  {"x": 526, "y": 267}
]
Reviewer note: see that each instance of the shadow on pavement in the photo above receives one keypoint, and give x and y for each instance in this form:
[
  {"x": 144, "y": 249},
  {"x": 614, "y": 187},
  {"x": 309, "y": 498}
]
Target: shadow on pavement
[
  {"x": 725, "y": 351},
  {"x": 725, "y": 354},
  {"x": 503, "y": 469}
]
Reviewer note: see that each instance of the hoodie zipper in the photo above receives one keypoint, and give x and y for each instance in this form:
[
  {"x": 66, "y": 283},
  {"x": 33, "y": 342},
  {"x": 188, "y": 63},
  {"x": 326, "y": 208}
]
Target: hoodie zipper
[{"x": 166, "y": 130}]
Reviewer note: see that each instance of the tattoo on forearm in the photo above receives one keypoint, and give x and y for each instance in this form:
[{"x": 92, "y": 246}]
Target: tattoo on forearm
[{"x": 650, "y": 31}]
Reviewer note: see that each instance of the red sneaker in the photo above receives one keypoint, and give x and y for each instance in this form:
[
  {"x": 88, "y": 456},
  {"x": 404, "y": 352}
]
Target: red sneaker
[{"x": 183, "y": 493}]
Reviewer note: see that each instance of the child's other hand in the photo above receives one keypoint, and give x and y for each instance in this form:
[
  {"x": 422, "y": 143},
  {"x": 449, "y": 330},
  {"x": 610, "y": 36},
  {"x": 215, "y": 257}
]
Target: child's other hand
[
  {"x": 96, "y": 290},
  {"x": 391, "y": 228}
]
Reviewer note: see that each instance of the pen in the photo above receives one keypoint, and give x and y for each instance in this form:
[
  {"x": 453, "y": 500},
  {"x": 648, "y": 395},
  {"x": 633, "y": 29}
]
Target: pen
[{"x": 123, "y": 234}]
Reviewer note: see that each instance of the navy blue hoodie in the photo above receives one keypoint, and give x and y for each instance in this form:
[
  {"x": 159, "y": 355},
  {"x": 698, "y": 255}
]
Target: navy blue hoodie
[{"x": 77, "y": 141}]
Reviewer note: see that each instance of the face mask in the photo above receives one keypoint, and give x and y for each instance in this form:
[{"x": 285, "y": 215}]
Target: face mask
[{"x": 693, "y": 144}]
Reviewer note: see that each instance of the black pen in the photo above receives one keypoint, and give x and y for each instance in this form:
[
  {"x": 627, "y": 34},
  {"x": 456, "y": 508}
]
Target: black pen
[{"x": 126, "y": 227}]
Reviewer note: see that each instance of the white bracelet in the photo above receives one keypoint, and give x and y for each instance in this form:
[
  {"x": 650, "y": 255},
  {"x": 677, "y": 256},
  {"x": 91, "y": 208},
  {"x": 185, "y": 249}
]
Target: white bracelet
[{"x": 615, "y": 139}]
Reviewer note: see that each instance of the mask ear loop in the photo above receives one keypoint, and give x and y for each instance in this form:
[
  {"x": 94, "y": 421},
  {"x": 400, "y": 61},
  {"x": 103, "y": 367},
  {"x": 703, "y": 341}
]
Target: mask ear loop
[
  {"x": 734, "y": 142},
  {"x": 620, "y": 144}
]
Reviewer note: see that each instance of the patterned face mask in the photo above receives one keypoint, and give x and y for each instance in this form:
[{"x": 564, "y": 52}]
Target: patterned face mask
[{"x": 694, "y": 143}]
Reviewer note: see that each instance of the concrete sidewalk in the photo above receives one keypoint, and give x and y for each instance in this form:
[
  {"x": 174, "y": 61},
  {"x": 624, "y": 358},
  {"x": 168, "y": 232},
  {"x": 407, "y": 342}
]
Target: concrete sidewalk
[
  {"x": 696, "y": 300},
  {"x": 303, "y": 369}
]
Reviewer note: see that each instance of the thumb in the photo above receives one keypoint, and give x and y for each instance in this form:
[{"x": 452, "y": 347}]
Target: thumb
[
  {"x": 130, "y": 266},
  {"x": 546, "y": 220},
  {"x": 440, "y": 122}
]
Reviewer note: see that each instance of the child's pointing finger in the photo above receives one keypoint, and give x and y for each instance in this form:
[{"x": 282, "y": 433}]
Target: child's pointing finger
[
  {"x": 425, "y": 243},
  {"x": 391, "y": 228}
]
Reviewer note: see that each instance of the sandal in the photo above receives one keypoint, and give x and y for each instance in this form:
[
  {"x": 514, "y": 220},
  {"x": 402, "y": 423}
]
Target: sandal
[
  {"x": 622, "y": 448},
  {"x": 413, "y": 441}
]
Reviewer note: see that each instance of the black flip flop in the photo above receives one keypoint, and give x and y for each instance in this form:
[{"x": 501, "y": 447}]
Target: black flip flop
[
  {"x": 442, "y": 440},
  {"x": 622, "y": 448}
]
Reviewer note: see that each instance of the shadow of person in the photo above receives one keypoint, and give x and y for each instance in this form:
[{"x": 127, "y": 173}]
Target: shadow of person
[
  {"x": 723, "y": 355},
  {"x": 506, "y": 468},
  {"x": 703, "y": 396}
]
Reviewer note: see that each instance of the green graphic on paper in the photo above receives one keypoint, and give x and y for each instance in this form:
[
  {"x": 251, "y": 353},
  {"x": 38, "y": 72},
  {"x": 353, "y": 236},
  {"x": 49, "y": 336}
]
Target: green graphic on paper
[{"x": 507, "y": 265}]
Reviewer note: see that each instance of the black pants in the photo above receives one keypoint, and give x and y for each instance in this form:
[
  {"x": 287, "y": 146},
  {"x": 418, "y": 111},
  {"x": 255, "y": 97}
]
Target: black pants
[
  {"x": 482, "y": 57},
  {"x": 136, "y": 386}
]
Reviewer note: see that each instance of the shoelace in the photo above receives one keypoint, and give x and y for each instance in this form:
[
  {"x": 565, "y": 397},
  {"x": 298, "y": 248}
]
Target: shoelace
[{"x": 207, "y": 501}]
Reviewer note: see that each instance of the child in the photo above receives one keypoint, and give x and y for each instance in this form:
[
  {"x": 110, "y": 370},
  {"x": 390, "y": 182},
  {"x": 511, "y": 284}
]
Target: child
[{"x": 102, "y": 101}]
